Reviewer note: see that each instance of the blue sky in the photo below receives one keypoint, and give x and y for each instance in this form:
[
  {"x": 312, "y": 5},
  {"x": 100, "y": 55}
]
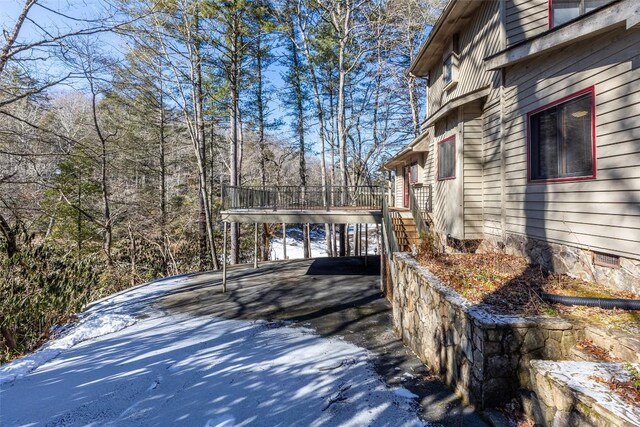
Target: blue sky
[{"x": 113, "y": 44}]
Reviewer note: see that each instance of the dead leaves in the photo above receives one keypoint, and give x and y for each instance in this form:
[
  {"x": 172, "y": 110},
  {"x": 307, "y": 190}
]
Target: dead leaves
[
  {"x": 596, "y": 351},
  {"x": 509, "y": 285},
  {"x": 623, "y": 388}
]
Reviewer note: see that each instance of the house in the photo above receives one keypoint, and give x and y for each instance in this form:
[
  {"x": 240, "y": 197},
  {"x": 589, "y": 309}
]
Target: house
[{"x": 531, "y": 141}]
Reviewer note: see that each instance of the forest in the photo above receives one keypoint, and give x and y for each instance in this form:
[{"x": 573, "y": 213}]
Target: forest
[{"x": 121, "y": 121}]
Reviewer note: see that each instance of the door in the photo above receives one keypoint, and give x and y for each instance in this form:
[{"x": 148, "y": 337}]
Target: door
[{"x": 407, "y": 179}]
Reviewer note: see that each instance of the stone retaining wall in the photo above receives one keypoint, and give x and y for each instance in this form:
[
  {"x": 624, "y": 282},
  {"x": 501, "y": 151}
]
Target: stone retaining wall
[{"x": 483, "y": 356}]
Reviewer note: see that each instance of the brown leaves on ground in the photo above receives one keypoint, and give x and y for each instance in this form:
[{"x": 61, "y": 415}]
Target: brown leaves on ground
[
  {"x": 598, "y": 352},
  {"x": 512, "y": 410},
  {"x": 623, "y": 388},
  {"x": 510, "y": 285}
]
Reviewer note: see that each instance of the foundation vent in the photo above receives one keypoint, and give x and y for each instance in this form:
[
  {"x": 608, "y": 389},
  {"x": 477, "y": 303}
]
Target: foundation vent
[{"x": 606, "y": 260}]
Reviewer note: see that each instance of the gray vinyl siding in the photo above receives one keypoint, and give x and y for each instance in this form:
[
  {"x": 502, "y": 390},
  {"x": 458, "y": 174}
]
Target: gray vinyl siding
[
  {"x": 479, "y": 40},
  {"x": 525, "y": 19},
  {"x": 492, "y": 182},
  {"x": 601, "y": 214},
  {"x": 447, "y": 194},
  {"x": 459, "y": 204},
  {"x": 399, "y": 190},
  {"x": 472, "y": 170}
]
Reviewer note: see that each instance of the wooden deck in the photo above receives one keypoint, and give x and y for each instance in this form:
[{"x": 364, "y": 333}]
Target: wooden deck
[
  {"x": 311, "y": 204},
  {"x": 311, "y": 216}
]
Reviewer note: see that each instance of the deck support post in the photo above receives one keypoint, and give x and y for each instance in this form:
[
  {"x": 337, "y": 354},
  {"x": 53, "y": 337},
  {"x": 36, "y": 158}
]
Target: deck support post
[
  {"x": 366, "y": 244},
  {"x": 383, "y": 258},
  {"x": 224, "y": 257},
  {"x": 255, "y": 246},
  {"x": 284, "y": 241}
]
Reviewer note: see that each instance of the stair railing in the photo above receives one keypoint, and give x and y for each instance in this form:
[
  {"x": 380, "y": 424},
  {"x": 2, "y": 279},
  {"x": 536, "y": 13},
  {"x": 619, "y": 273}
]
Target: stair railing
[
  {"x": 390, "y": 235},
  {"x": 417, "y": 209}
]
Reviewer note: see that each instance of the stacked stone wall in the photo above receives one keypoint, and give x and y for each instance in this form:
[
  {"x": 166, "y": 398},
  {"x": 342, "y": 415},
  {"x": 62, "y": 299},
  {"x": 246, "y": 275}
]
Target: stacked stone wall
[{"x": 485, "y": 357}]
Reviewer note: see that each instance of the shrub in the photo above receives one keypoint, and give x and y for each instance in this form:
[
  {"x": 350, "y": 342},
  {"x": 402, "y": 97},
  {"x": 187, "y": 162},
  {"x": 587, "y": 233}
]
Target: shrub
[{"x": 41, "y": 287}]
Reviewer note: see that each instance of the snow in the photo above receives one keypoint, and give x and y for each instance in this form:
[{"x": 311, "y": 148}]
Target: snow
[
  {"x": 127, "y": 362},
  {"x": 577, "y": 379},
  {"x": 295, "y": 250},
  {"x": 91, "y": 327}
]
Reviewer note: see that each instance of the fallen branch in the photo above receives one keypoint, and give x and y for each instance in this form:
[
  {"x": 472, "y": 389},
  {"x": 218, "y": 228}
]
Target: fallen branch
[{"x": 338, "y": 397}]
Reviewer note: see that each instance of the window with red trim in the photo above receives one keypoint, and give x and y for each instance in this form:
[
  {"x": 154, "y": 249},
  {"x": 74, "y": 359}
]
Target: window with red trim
[
  {"x": 561, "y": 139},
  {"x": 447, "y": 158}
]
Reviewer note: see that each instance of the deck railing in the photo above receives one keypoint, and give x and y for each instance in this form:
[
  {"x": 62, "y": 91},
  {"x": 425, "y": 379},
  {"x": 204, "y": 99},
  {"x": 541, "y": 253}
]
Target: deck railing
[
  {"x": 301, "y": 198},
  {"x": 389, "y": 236}
]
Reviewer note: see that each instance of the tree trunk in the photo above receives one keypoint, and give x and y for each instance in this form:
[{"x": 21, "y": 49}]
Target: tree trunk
[
  {"x": 108, "y": 230},
  {"x": 163, "y": 179},
  {"x": 9, "y": 340},
  {"x": 9, "y": 234},
  {"x": 342, "y": 143},
  {"x": 200, "y": 148},
  {"x": 321, "y": 137},
  {"x": 234, "y": 172},
  {"x": 12, "y": 37},
  {"x": 264, "y": 241},
  {"x": 297, "y": 88},
  {"x": 415, "y": 107},
  {"x": 104, "y": 187}
]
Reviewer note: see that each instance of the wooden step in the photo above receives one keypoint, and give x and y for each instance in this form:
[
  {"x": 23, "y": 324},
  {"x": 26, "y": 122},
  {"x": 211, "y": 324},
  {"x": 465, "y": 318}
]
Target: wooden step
[
  {"x": 405, "y": 225},
  {"x": 413, "y": 235}
]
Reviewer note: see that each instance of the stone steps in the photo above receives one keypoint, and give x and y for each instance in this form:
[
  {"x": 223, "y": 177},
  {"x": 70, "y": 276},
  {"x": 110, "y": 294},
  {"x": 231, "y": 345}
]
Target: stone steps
[
  {"x": 569, "y": 394},
  {"x": 620, "y": 345},
  {"x": 583, "y": 356}
]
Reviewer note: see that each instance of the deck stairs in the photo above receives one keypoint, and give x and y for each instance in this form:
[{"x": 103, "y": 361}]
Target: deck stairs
[{"x": 405, "y": 229}]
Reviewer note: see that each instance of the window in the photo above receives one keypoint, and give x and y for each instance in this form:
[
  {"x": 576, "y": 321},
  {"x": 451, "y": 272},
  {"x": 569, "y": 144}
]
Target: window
[
  {"x": 563, "y": 11},
  {"x": 450, "y": 63},
  {"x": 447, "y": 158},
  {"x": 562, "y": 139},
  {"x": 414, "y": 172},
  {"x": 447, "y": 70}
]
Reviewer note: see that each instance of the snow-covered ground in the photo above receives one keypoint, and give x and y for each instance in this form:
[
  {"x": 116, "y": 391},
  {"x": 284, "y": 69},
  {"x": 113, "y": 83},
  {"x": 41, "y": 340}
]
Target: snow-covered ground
[
  {"x": 128, "y": 363},
  {"x": 295, "y": 250}
]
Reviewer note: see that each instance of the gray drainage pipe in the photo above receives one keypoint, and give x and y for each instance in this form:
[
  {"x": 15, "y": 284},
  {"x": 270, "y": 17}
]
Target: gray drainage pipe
[{"x": 624, "y": 304}]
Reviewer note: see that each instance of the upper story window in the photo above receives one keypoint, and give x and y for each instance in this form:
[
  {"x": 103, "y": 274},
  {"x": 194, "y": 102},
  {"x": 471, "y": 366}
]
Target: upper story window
[
  {"x": 563, "y": 11},
  {"x": 447, "y": 70},
  {"x": 447, "y": 158},
  {"x": 562, "y": 139},
  {"x": 450, "y": 64}
]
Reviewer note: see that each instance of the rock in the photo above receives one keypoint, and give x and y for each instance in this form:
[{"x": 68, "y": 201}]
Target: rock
[
  {"x": 496, "y": 391},
  {"x": 495, "y": 418},
  {"x": 494, "y": 335},
  {"x": 512, "y": 341},
  {"x": 499, "y": 367},
  {"x": 533, "y": 340}
]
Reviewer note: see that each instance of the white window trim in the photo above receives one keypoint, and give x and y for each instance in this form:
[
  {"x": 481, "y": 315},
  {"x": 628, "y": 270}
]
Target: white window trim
[{"x": 454, "y": 70}]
